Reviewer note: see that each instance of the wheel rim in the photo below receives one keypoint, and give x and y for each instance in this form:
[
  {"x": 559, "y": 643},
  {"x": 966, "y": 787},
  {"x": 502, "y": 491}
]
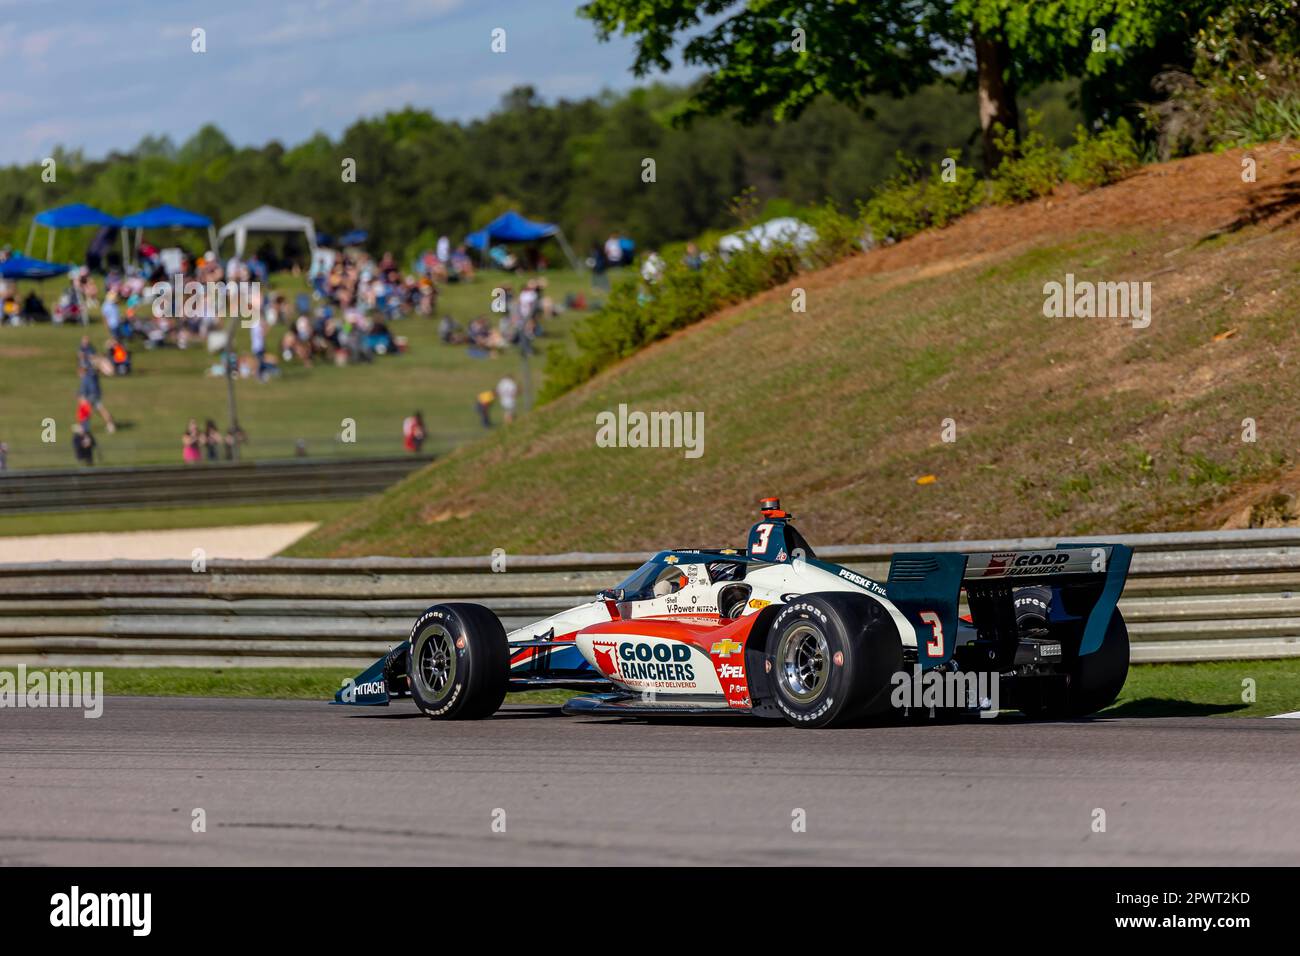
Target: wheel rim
[
  {"x": 435, "y": 669},
  {"x": 803, "y": 662}
]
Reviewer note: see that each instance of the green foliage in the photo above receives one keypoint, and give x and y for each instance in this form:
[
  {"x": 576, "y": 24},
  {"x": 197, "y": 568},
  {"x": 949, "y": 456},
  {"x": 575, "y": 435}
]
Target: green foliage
[
  {"x": 1030, "y": 167},
  {"x": 1097, "y": 159},
  {"x": 910, "y": 202},
  {"x": 1243, "y": 87},
  {"x": 779, "y": 57},
  {"x": 577, "y": 163},
  {"x": 638, "y": 313}
]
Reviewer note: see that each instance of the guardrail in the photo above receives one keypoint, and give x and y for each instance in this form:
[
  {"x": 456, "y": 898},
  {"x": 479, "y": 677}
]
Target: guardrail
[
  {"x": 1190, "y": 597},
  {"x": 244, "y": 482}
]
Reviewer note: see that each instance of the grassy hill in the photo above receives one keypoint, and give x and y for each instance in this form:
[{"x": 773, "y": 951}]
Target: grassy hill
[{"x": 1063, "y": 425}]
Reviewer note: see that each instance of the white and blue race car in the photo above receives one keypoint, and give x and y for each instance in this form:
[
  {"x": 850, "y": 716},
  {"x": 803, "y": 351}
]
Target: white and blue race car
[{"x": 772, "y": 630}]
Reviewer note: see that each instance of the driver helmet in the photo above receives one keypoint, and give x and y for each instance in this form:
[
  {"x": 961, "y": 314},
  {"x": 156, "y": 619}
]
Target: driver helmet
[{"x": 670, "y": 582}]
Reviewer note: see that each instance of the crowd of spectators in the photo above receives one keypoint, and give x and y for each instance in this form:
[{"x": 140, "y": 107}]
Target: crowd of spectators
[
  {"x": 346, "y": 317},
  {"x": 520, "y": 319},
  {"x": 208, "y": 442}
]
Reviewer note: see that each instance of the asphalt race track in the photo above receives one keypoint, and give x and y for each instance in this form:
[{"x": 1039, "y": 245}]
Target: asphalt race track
[{"x": 305, "y": 783}]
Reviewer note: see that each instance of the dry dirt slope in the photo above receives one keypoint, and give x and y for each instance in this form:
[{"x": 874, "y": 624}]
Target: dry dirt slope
[{"x": 1063, "y": 425}]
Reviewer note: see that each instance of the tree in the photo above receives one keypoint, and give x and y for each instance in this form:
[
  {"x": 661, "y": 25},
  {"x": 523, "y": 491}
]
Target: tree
[{"x": 780, "y": 55}]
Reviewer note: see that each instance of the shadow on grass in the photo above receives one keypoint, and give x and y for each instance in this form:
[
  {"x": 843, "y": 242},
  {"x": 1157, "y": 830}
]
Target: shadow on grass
[
  {"x": 1278, "y": 204},
  {"x": 1166, "y": 707}
]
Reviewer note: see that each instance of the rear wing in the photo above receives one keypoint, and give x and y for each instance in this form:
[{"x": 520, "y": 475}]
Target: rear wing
[{"x": 1086, "y": 581}]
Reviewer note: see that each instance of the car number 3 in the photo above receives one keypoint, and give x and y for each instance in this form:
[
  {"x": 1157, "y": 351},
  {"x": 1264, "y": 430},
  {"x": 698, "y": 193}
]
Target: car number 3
[
  {"x": 764, "y": 532},
  {"x": 934, "y": 646}
]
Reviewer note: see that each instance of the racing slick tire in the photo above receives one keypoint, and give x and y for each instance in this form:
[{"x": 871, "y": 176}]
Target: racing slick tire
[
  {"x": 832, "y": 657},
  {"x": 1092, "y": 681},
  {"x": 459, "y": 665}
]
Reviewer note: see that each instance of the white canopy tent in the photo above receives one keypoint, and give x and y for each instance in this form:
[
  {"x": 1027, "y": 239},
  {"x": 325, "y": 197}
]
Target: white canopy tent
[{"x": 267, "y": 219}]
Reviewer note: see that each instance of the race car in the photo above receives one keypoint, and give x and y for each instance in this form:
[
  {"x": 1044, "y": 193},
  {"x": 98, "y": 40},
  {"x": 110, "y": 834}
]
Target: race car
[{"x": 771, "y": 630}]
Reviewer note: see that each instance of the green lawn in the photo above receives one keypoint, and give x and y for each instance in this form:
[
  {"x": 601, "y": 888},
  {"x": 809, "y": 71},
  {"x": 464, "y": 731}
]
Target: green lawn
[
  {"x": 1210, "y": 688},
  {"x": 155, "y": 519},
  {"x": 1153, "y": 690},
  {"x": 287, "y": 683},
  {"x": 38, "y": 381}
]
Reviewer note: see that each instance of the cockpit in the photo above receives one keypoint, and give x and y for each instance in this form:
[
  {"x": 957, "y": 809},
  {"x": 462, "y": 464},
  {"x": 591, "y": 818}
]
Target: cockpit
[{"x": 667, "y": 573}]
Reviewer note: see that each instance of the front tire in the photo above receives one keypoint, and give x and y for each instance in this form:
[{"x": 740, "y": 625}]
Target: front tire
[
  {"x": 459, "y": 665},
  {"x": 831, "y": 658}
]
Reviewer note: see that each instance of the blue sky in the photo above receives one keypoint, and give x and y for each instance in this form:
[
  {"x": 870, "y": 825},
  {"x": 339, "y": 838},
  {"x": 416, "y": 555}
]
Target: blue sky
[{"x": 101, "y": 74}]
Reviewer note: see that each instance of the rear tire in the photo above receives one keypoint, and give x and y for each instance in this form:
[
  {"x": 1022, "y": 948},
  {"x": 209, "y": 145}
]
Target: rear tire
[
  {"x": 1093, "y": 681},
  {"x": 831, "y": 657},
  {"x": 1097, "y": 678},
  {"x": 1032, "y": 606},
  {"x": 459, "y": 665}
]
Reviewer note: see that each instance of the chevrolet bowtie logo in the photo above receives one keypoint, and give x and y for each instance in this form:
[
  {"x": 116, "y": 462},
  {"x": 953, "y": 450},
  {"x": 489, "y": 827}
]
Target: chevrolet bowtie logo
[{"x": 725, "y": 648}]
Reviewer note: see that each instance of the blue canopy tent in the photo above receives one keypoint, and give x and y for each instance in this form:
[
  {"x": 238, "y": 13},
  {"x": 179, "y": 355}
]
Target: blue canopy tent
[
  {"x": 71, "y": 217},
  {"x": 23, "y": 267},
  {"x": 169, "y": 217},
  {"x": 512, "y": 227},
  {"x": 354, "y": 238}
]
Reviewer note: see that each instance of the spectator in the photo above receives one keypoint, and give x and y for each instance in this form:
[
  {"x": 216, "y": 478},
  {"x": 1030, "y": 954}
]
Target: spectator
[
  {"x": 257, "y": 336},
  {"x": 413, "y": 433},
  {"x": 599, "y": 265},
  {"x": 450, "y": 332},
  {"x": 85, "y": 354},
  {"x": 212, "y": 440},
  {"x": 236, "y": 436},
  {"x": 84, "y": 411},
  {"x": 613, "y": 250},
  {"x": 507, "y": 392},
  {"x": 462, "y": 266},
  {"x": 529, "y": 299},
  {"x": 652, "y": 268},
  {"x": 191, "y": 441},
  {"x": 83, "y": 444},
  {"x": 4, "y": 456},
  {"x": 34, "y": 309},
  {"x": 90, "y": 391},
  {"x": 112, "y": 312},
  {"x": 483, "y": 403},
  {"x": 694, "y": 261},
  {"x": 120, "y": 357},
  {"x": 87, "y": 290}
]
